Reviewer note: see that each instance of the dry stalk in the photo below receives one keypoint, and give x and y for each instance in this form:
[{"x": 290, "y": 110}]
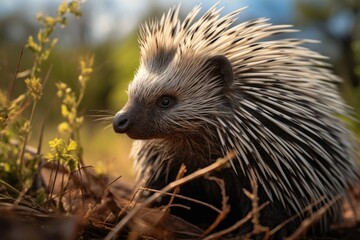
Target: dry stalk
[
  {"x": 238, "y": 224},
  {"x": 12, "y": 82},
  {"x": 307, "y": 209},
  {"x": 255, "y": 219},
  {"x": 130, "y": 205},
  {"x": 225, "y": 208},
  {"x": 165, "y": 210},
  {"x": 351, "y": 200},
  {"x": 99, "y": 198},
  {"x": 52, "y": 182},
  {"x": 180, "y": 174},
  {"x": 185, "y": 198},
  {"x": 253, "y": 215},
  {"x": 168, "y": 188},
  {"x": 308, "y": 222}
]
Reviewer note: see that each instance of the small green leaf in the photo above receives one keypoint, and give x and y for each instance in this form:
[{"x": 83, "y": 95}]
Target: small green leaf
[
  {"x": 72, "y": 145},
  {"x": 62, "y": 8},
  {"x": 35, "y": 87},
  {"x": 64, "y": 127},
  {"x": 53, "y": 43},
  {"x": 55, "y": 143},
  {"x": 50, "y": 21},
  {"x": 79, "y": 120},
  {"x": 72, "y": 163},
  {"x": 74, "y": 8},
  {"x": 49, "y": 156},
  {"x": 40, "y": 196},
  {"x": 63, "y": 22},
  {"x": 34, "y": 47},
  {"x": 5, "y": 166},
  {"x": 64, "y": 111}
]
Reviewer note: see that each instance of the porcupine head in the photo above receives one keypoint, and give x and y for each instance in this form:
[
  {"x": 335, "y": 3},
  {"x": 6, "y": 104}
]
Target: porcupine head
[
  {"x": 179, "y": 89},
  {"x": 209, "y": 86}
]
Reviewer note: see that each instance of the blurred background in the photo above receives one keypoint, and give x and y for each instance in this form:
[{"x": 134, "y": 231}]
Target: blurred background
[{"x": 108, "y": 29}]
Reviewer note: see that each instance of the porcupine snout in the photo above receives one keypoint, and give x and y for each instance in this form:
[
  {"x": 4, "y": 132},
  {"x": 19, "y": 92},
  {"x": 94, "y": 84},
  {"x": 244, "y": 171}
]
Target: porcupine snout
[
  {"x": 135, "y": 121},
  {"x": 120, "y": 122}
]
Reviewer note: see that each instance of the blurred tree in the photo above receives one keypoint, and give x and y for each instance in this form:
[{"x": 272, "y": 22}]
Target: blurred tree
[
  {"x": 115, "y": 65},
  {"x": 339, "y": 23}
]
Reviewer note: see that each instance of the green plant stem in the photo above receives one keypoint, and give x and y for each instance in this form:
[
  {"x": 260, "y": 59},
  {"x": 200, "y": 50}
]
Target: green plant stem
[
  {"x": 12, "y": 83},
  {"x": 9, "y": 187},
  {"x": 22, "y": 152},
  {"x": 81, "y": 95}
]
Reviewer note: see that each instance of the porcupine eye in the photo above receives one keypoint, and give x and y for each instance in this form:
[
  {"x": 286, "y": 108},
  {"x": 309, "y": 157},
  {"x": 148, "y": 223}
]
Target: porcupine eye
[{"x": 166, "y": 101}]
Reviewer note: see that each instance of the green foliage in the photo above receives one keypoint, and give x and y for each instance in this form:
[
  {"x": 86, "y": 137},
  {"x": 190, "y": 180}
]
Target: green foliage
[
  {"x": 356, "y": 49},
  {"x": 125, "y": 58},
  {"x": 44, "y": 44},
  {"x": 347, "y": 65},
  {"x": 354, "y": 93},
  {"x": 18, "y": 162},
  {"x": 35, "y": 88},
  {"x": 71, "y": 102},
  {"x": 64, "y": 153},
  {"x": 68, "y": 109}
]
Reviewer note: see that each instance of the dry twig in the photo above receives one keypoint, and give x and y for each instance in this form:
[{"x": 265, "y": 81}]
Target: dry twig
[
  {"x": 257, "y": 227},
  {"x": 238, "y": 224},
  {"x": 308, "y": 222},
  {"x": 168, "y": 188},
  {"x": 225, "y": 208}
]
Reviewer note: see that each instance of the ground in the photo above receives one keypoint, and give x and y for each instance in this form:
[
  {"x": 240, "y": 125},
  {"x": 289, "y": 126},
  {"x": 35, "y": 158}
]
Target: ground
[{"x": 93, "y": 207}]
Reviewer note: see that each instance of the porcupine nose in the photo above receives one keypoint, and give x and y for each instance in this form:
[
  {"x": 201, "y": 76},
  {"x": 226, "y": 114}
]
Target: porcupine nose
[{"x": 120, "y": 122}]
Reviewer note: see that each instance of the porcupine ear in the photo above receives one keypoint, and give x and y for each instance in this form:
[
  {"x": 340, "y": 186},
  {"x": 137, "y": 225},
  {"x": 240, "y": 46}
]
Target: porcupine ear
[{"x": 222, "y": 67}]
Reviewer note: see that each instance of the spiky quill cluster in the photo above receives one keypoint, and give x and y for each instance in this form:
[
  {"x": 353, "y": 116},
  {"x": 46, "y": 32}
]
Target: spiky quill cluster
[{"x": 280, "y": 114}]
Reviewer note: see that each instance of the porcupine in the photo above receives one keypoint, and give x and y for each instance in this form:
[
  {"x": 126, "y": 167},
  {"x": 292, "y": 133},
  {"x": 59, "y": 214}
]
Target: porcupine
[{"x": 209, "y": 86}]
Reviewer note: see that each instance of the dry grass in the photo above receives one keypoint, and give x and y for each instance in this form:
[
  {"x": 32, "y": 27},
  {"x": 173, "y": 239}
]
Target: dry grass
[{"x": 95, "y": 208}]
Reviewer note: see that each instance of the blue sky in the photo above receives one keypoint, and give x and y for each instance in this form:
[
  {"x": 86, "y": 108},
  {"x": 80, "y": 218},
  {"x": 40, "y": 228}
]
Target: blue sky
[
  {"x": 114, "y": 19},
  {"x": 117, "y": 18}
]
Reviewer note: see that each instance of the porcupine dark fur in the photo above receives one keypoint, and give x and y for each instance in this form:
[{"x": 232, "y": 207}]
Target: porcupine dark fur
[{"x": 209, "y": 86}]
